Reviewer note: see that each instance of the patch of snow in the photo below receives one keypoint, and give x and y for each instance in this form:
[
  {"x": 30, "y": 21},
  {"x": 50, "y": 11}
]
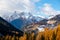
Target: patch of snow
[{"x": 40, "y": 29}]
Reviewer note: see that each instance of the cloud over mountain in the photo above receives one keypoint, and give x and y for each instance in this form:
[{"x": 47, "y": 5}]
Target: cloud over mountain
[
  {"x": 49, "y": 10},
  {"x": 27, "y": 6}
]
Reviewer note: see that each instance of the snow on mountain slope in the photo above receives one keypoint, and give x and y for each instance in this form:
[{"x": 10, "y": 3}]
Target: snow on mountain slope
[{"x": 10, "y": 16}]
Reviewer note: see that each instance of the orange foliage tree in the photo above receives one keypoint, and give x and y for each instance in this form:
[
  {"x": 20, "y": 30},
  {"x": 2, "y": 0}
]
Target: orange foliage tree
[{"x": 48, "y": 34}]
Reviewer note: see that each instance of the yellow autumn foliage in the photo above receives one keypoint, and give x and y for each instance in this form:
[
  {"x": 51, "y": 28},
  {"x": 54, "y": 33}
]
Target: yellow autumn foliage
[{"x": 52, "y": 34}]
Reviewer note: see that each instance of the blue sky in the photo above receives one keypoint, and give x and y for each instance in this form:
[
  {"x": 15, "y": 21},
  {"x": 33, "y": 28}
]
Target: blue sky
[
  {"x": 55, "y": 3},
  {"x": 44, "y": 8}
]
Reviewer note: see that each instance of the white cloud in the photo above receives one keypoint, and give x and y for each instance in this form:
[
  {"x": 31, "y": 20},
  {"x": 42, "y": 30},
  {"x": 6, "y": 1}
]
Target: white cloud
[
  {"x": 3, "y": 5},
  {"x": 7, "y": 7},
  {"x": 5, "y": 12},
  {"x": 35, "y": 1},
  {"x": 23, "y": 5},
  {"x": 49, "y": 10},
  {"x": 26, "y": 6},
  {"x": 16, "y": 5}
]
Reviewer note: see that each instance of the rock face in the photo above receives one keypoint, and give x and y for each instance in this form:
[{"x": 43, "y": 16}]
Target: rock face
[
  {"x": 57, "y": 18},
  {"x": 29, "y": 23},
  {"x": 50, "y": 24},
  {"x": 22, "y": 20}
]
